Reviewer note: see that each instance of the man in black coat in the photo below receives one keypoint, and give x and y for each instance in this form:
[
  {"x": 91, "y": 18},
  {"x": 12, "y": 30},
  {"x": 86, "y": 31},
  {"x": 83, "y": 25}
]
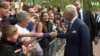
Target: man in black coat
[{"x": 87, "y": 17}]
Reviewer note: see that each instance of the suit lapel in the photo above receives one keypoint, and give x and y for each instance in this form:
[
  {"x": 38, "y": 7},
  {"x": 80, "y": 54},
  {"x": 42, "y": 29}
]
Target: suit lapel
[{"x": 73, "y": 28}]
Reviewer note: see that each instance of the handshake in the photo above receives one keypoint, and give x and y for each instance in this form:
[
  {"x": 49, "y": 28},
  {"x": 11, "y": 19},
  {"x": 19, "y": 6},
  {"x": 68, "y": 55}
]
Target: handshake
[{"x": 53, "y": 34}]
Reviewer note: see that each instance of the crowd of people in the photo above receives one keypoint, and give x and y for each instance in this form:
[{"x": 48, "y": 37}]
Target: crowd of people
[{"x": 22, "y": 25}]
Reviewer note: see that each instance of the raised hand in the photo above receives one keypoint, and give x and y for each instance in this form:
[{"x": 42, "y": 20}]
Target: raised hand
[
  {"x": 96, "y": 40},
  {"x": 32, "y": 49},
  {"x": 0, "y": 34},
  {"x": 24, "y": 50}
]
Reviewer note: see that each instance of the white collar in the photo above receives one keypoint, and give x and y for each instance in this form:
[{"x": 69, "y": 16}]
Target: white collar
[
  {"x": 81, "y": 10},
  {"x": 81, "y": 13},
  {"x": 72, "y": 21}
]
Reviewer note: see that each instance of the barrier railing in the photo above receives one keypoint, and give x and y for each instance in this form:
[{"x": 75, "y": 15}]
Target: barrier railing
[{"x": 56, "y": 46}]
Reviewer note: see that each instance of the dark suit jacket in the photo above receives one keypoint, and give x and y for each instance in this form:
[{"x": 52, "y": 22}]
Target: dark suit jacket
[
  {"x": 89, "y": 19},
  {"x": 77, "y": 38}
]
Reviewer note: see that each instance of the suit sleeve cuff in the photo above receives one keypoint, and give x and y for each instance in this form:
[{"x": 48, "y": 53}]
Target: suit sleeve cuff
[{"x": 46, "y": 35}]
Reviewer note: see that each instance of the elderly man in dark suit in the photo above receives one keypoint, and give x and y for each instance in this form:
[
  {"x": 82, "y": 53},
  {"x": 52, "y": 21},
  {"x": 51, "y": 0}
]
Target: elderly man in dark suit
[
  {"x": 87, "y": 17},
  {"x": 77, "y": 35}
]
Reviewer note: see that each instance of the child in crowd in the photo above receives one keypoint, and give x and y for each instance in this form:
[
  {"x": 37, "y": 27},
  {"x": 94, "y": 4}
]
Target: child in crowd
[{"x": 8, "y": 41}]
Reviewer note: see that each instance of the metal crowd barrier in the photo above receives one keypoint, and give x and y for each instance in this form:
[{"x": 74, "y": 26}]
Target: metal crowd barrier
[{"x": 56, "y": 46}]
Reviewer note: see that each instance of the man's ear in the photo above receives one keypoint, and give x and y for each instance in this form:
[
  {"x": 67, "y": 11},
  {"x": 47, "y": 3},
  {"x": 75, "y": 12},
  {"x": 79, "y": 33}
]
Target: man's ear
[
  {"x": 0, "y": 35},
  {"x": 9, "y": 38}
]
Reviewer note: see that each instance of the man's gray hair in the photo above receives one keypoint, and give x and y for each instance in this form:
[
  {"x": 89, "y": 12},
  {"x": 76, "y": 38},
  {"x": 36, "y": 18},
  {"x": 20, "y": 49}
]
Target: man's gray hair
[
  {"x": 71, "y": 9},
  {"x": 22, "y": 15}
]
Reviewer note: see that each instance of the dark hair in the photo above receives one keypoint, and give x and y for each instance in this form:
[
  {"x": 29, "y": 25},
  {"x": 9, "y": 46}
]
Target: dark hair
[
  {"x": 57, "y": 13},
  {"x": 58, "y": 8},
  {"x": 50, "y": 9},
  {"x": 8, "y": 31},
  {"x": 27, "y": 7},
  {"x": 41, "y": 16},
  {"x": 3, "y": 4}
]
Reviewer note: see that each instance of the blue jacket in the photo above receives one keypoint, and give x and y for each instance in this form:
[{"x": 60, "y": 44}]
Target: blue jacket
[{"x": 77, "y": 39}]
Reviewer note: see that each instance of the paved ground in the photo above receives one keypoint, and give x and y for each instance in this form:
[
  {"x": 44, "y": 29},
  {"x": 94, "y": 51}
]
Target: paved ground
[
  {"x": 96, "y": 50},
  {"x": 61, "y": 53}
]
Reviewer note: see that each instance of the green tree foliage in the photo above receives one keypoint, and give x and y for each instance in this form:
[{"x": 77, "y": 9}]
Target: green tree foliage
[
  {"x": 91, "y": 4},
  {"x": 62, "y": 3}
]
